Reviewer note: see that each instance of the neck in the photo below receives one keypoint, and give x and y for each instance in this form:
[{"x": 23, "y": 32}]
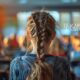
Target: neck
[
  {"x": 46, "y": 49},
  {"x": 34, "y": 51}
]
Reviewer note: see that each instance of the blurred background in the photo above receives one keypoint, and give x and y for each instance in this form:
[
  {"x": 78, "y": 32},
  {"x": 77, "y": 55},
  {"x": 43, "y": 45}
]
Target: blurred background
[{"x": 13, "y": 18}]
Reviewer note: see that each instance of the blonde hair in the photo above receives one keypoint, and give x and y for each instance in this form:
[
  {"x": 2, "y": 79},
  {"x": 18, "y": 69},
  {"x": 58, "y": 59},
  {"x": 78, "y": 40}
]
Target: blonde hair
[
  {"x": 56, "y": 48},
  {"x": 41, "y": 25}
]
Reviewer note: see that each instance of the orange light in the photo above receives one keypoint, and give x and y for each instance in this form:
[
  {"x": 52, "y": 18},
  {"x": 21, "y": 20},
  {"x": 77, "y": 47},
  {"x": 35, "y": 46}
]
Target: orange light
[
  {"x": 5, "y": 42},
  {"x": 20, "y": 40}
]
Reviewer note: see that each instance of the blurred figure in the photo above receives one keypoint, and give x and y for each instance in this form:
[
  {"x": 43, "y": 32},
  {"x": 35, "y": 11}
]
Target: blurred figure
[
  {"x": 12, "y": 46},
  {"x": 13, "y": 43},
  {"x": 22, "y": 44},
  {"x": 1, "y": 45},
  {"x": 3, "y": 66},
  {"x": 75, "y": 53},
  {"x": 65, "y": 38}
]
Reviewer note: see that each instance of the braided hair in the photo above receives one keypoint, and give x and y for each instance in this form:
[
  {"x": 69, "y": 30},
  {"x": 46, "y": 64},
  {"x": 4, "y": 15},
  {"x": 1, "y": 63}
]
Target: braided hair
[{"x": 42, "y": 25}]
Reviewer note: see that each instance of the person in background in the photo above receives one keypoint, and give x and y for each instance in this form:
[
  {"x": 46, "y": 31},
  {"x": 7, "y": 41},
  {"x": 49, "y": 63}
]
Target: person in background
[
  {"x": 20, "y": 38},
  {"x": 3, "y": 66},
  {"x": 74, "y": 53},
  {"x": 1, "y": 45},
  {"x": 39, "y": 64},
  {"x": 65, "y": 37},
  {"x": 22, "y": 46},
  {"x": 13, "y": 43}
]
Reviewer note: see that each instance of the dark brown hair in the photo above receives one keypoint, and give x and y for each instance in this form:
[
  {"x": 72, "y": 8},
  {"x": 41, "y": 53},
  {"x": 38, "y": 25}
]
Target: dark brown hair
[{"x": 42, "y": 26}]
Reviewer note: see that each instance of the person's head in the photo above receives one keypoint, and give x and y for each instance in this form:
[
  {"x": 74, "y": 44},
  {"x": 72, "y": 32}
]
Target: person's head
[
  {"x": 75, "y": 41},
  {"x": 41, "y": 31}
]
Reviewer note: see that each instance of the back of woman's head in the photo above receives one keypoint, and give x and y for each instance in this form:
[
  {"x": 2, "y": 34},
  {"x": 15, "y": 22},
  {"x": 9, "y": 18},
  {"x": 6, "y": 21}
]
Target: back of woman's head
[{"x": 42, "y": 27}]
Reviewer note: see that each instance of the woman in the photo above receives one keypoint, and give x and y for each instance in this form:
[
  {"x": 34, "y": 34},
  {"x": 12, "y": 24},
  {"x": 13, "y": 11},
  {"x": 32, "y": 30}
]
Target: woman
[{"x": 39, "y": 65}]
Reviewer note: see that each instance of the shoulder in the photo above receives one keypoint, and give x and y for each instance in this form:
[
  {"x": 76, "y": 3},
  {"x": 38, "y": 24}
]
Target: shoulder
[
  {"x": 62, "y": 60},
  {"x": 17, "y": 64},
  {"x": 20, "y": 67},
  {"x": 58, "y": 60},
  {"x": 21, "y": 60},
  {"x": 62, "y": 68},
  {"x": 62, "y": 65}
]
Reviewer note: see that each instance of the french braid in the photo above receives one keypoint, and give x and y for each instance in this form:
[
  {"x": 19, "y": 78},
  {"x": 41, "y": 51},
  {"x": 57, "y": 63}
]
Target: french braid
[{"x": 42, "y": 29}]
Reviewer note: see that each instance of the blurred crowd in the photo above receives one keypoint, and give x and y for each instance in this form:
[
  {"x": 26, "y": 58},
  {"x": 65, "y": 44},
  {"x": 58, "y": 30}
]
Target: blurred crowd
[{"x": 8, "y": 46}]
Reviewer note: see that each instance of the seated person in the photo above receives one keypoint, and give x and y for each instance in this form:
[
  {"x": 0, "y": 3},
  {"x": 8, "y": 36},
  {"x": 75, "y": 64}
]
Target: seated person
[
  {"x": 65, "y": 37},
  {"x": 1, "y": 45},
  {"x": 75, "y": 53},
  {"x": 39, "y": 64}
]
